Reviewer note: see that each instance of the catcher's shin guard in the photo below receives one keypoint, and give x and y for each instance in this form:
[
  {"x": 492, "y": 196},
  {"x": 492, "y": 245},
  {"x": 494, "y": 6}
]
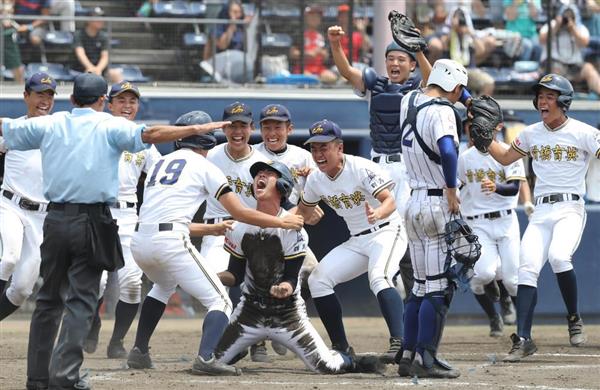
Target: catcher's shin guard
[{"x": 440, "y": 301}]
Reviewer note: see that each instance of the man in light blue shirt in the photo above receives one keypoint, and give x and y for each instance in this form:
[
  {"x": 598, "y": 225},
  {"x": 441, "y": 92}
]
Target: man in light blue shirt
[{"x": 80, "y": 156}]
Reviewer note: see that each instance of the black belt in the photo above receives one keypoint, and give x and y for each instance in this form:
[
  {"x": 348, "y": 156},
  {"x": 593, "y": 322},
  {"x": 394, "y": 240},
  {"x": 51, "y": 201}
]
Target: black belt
[
  {"x": 432, "y": 192},
  {"x": 211, "y": 221},
  {"x": 553, "y": 198},
  {"x": 162, "y": 227},
  {"x": 78, "y": 208},
  {"x": 388, "y": 158},
  {"x": 492, "y": 215},
  {"x": 123, "y": 205},
  {"x": 23, "y": 202},
  {"x": 371, "y": 230}
]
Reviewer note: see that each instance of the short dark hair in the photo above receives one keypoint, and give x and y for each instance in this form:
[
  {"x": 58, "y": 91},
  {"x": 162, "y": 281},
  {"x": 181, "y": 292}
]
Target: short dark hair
[{"x": 85, "y": 100}]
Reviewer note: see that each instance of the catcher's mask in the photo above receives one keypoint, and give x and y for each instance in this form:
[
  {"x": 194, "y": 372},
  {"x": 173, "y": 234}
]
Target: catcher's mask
[{"x": 461, "y": 243}]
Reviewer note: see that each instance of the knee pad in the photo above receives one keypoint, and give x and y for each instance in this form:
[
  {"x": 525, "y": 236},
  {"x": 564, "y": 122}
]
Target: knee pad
[
  {"x": 319, "y": 285},
  {"x": 560, "y": 265}
]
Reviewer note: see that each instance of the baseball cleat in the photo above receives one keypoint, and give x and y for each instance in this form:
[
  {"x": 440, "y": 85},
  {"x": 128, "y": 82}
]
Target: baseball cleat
[
  {"x": 496, "y": 326},
  {"x": 576, "y": 335},
  {"x": 138, "y": 360},
  {"x": 521, "y": 348},
  {"x": 116, "y": 350},
  {"x": 279, "y": 348},
  {"x": 395, "y": 347},
  {"x": 507, "y": 308},
  {"x": 404, "y": 367},
  {"x": 258, "y": 353},
  {"x": 213, "y": 367},
  {"x": 436, "y": 371}
]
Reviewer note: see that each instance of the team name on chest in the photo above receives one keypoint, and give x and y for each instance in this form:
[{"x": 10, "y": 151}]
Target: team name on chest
[
  {"x": 239, "y": 186},
  {"x": 137, "y": 158},
  {"x": 343, "y": 200},
  {"x": 554, "y": 152},
  {"x": 477, "y": 175}
]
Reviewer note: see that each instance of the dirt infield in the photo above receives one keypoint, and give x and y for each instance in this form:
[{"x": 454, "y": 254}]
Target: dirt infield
[{"x": 555, "y": 366}]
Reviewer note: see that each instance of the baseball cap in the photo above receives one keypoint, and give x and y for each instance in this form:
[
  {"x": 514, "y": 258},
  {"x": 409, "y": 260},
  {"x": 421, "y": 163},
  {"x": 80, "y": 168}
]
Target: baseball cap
[
  {"x": 396, "y": 47},
  {"x": 96, "y": 11},
  {"x": 275, "y": 112},
  {"x": 237, "y": 112},
  {"x": 324, "y": 131},
  {"x": 40, "y": 82},
  {"x": 89, "y": 85},
  {"x": 343, "y": 8},
  {"x": 447, "y": 74},
  {"x": 123, "y": 86}
]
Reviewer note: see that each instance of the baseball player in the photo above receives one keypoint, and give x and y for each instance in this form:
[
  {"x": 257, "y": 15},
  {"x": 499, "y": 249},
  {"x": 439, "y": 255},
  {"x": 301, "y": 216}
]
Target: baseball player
[
  {"x": 268, "y": 261},
  {"x": 123, "y": 100},
  {"x": 560, "y": 148},
  {"x": 430, "y": 150},
  {"x": 234, "y": 158},
  {"x": 23, "y": 206},
  {"x": 384, "y": 95},
  {"x": 359, "y": 192},
  {"x": 490, "y": 195},
  {"x": 174, "y": 190}
]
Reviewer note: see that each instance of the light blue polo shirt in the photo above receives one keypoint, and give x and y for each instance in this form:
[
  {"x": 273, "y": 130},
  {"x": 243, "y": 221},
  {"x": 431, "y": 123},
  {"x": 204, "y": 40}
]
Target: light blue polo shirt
[{"x": 80, "y": 151}]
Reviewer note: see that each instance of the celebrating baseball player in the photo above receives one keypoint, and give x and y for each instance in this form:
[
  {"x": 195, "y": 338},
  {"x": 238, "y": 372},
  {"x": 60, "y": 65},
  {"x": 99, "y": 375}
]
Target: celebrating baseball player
[
  {"x": 123, "y": 100},
  {"x": 23, "y": 206},
  {"x": 174, "y": 190},
  {"x": 359, "y": 192},
  {"x": 384, "y": 95},
  {"x": 560, "y": 148},
  {"x": 268, "y": 261},
  {"x": 490, "y": 195},
  {"x": 429, "y": 142}
]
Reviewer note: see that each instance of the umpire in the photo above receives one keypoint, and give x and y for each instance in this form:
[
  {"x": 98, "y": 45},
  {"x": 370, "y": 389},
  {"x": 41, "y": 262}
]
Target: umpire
[{"x": 80, "y": 155}]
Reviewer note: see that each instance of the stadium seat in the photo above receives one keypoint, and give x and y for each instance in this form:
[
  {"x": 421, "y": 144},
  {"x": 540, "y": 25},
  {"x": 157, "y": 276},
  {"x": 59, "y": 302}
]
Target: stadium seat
[
  {"x": 175, "y": 8},
  {"x": 194, "y": 39},
  {"x": 131, "y": 73},
  {"x": 197, "y": 9},
  {"x": 59, "y": 38},
  {"x": 276, "y": 40},
  {"x": 293, "y": 79},
  {"x": 6, "y": 74},
  {"x": 281, "y": 11},
  {"x": 81, "y": 10},
  {"x": 56, "y": 71}
]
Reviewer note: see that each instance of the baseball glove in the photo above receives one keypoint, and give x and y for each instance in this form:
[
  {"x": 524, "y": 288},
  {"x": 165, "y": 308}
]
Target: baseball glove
[
  {"x": 405, "y": 33},
  {"x": 485, "y": 114}
]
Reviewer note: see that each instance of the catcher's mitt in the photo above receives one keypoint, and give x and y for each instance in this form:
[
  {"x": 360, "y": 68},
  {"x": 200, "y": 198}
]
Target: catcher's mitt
[
  {"x": 485, "y": 115},
  {"x": 405, "y": 33}
]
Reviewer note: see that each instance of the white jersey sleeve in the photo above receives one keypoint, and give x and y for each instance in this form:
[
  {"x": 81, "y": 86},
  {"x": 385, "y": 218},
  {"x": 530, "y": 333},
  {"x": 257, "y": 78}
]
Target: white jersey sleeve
[
  {"x": 233, "y": 241},
  {"x": 373, "y": 178},
  {"x": 309, "y": 196},
  {"x": 152, "y": 156},
  {"x": 294, "y": 243},
  {"x": 591, "y": 141}
]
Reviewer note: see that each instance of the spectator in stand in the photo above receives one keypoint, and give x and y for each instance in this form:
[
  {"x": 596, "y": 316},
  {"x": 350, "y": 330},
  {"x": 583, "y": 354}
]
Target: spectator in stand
[
  {"x": 520, "y": 16},
  {"x": 466, "y": 46},
  {"x": 64, "y": 8},
  {"x": 230, "y": 45},
  {"x": 361, "y": 44},
  {"x": 431, "y": 19},
  {"x": 315, "y": 52},
  {"x": 569, "y": 39},
  {"x": 12, "y": 55},
  {"x": 35, "y": 27},
  {"x": 91, "y": 46},
  {"x": 590, "y": 10}
]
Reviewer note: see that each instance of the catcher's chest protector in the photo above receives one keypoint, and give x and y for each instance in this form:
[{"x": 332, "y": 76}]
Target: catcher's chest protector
[{"x": 264, "y": 253}]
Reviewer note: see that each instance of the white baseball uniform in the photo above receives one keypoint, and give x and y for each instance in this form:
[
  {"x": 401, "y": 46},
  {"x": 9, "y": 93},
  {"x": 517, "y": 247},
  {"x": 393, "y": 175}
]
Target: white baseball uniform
[
  {"x": 374, "y": 248},
  {"x": 427, "y": 212},
  {"x": 560, "y": 159},
  {"x": 259, "y": 316},
  {"x": 174, "y": 190},
  {"x": 492, "y": 217},
  {"x": 237, "y": 172},
  {"x": 131, "y": 166},
  {"x": 22, "y": 213}
]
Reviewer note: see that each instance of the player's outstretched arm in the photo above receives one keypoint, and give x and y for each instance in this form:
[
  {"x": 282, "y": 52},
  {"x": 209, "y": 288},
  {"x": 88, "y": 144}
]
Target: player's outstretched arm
[
  {"x": 241, "y": 213},
  {"x": 385, "y": 209},
  {"x": 205, "y": 229},
  {"x": 504, "y": 155},
  {"x": 305, "y": 211},
  {"x": 353, "y": 75},
  {"x": 314, "y": 218},
  {"x": 166, "y": 133}
]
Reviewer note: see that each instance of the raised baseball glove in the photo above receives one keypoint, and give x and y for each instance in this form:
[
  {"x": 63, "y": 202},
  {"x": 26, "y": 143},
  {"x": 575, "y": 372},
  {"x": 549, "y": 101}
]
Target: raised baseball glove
[
  {"x": 405, "y": 33},
  {"x": 485, "y": 115}
]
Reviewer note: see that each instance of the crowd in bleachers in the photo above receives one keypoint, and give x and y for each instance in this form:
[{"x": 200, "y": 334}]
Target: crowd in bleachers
[{"x": 502, "y": 42}]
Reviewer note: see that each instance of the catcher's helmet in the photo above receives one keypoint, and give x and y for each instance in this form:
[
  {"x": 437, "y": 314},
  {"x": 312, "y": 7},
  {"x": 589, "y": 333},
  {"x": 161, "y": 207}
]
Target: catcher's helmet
[
  {"x": 203, "y": 141},
  {"x": 461, "y": 242},
  {"x": 393, "y": 46},
  {"x": 556, "y": 83},
  {"x": 285, "y": 182}
]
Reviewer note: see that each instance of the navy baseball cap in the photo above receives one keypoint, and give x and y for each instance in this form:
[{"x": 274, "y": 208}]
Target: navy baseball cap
[
  {"x": 123, "y": 86},
  {"x": 396, "y": 47},
  {"x": 237, "y": 112},
  {"x": 275, "y": 112},
  {"x": 40, "y": 82},
  {"x": 324, "y": 131},
  {"x": 89, "y": 85}
]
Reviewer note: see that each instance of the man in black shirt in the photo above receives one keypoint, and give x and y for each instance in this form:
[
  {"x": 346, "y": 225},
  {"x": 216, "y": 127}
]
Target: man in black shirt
[{"x": 91, "y": 46}]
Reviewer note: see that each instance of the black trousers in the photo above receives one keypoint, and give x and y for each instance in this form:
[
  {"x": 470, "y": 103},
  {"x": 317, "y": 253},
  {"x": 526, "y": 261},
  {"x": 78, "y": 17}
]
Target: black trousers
[{"x": 71, "y": 283}]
